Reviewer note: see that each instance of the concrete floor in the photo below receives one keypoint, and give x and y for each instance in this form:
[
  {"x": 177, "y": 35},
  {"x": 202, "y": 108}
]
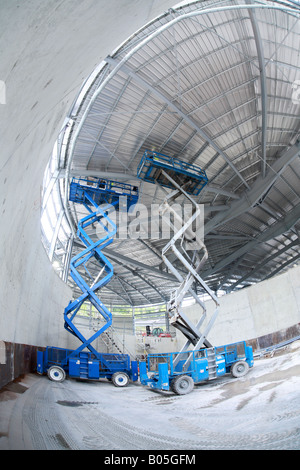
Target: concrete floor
[{"x": 259, "y": 411}]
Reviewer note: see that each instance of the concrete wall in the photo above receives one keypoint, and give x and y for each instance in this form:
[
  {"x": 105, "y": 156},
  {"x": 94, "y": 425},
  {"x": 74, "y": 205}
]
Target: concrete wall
[
  {"x": 269, "y": 310},
  {"x": 47, "y": 49}
]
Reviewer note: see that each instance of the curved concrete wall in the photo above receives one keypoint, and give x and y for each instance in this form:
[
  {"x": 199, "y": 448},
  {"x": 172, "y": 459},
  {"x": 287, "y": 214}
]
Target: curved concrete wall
[
  {"x": 263, "y": 314},
  {"x": 47, "y": 50}
]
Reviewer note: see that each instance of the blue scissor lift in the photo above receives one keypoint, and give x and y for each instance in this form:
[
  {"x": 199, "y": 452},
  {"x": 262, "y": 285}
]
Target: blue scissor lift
[
  {"x": 198, "y": 360},
  {"x": 99, "y": 197}
]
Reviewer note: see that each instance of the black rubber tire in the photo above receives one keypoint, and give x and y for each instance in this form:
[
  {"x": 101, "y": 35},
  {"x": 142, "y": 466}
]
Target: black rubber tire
[
  {"x": 56, "y": 374},
  {"x": 120, "y": 379},
  {"x": 239, "y": 369},
  {"x": 182, "y": 385}
]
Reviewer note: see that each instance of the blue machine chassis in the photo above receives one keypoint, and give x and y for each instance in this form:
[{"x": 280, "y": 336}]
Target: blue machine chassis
[
  {"x": 163, "y": 369},
  {"x": 85, "y": 365}
]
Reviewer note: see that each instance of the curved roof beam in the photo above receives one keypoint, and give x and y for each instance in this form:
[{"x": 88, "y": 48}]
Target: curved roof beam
[
  {"x": 141, "y": 44},
  {"x": 284, "y": 225},
  {"x": 258, "y": 191},
  {"x": 282, "y": 266},
  {"x": 263, "y": 81},
  {"x": 184, "y": 116},
  {"x": 259, "y": 266}
]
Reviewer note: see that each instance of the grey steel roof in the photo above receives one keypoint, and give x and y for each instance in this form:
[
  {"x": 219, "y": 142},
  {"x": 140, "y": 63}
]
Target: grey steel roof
[{"x": 215, "y": 83}]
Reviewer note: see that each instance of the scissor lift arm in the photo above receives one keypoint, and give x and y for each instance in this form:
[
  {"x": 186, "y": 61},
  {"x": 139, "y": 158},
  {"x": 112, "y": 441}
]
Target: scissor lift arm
[
  {"x": 192, "y": 364},
  {"x": 184, "y": 180}
]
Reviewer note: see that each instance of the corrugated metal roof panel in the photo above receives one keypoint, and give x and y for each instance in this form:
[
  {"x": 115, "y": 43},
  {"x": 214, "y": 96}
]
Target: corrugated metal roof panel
[{"x": 195, "y": 91}]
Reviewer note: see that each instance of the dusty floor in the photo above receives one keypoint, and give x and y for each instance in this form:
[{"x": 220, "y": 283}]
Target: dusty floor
[{"x": 259, "y": 411}]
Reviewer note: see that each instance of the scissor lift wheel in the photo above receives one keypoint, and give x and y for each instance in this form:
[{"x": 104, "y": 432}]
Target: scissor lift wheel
[
  {"x": 182, "y": 385},
  {"x": 120, "y": 379},
  {"x": 56, "y": 373},
  {"x": 239, "y": 369}
]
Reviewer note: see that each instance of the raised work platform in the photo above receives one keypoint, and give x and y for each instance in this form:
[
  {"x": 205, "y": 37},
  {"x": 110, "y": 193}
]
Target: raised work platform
[
  {"x": 152, "y": 164},
  {"x": 102, "y": 191}
]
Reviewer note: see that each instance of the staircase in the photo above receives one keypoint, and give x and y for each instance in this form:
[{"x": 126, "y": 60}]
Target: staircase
[{"x": 109, "y": 341}]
